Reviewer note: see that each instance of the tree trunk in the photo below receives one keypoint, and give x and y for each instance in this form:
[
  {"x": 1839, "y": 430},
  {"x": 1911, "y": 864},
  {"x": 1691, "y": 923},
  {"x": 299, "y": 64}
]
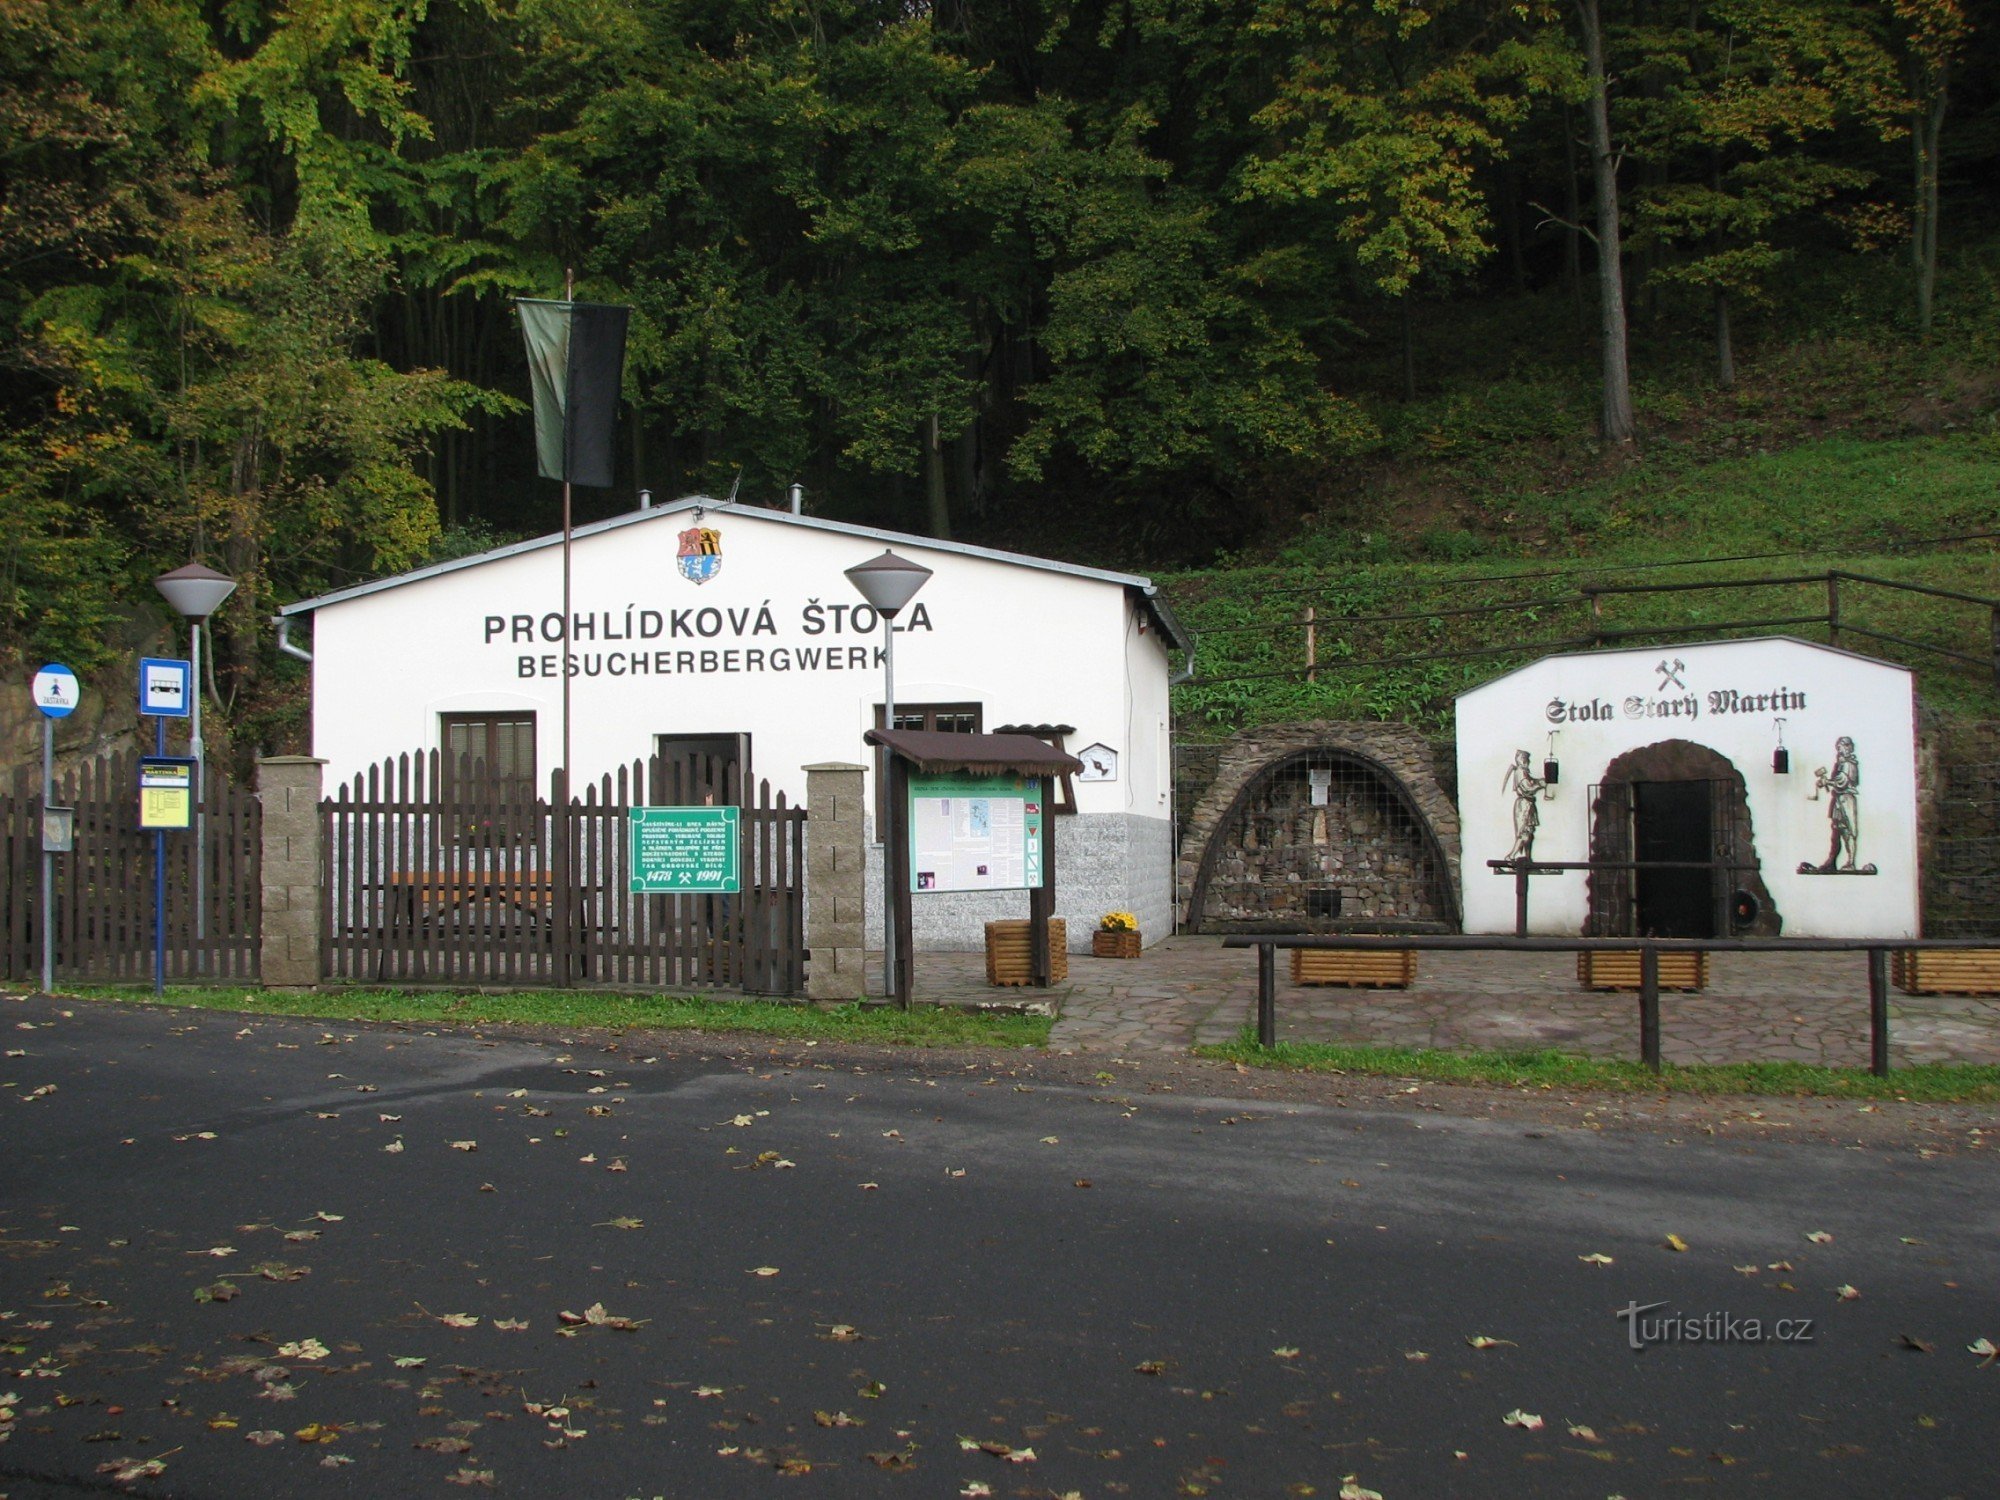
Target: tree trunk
[
  {"x": 1725, "y": 351},
  {"x": 1926, "y": 124},
  {"x": 1618, "y": 431},
  {"x": 1409, "y": 350},
  {"x": 938, "y": 502}
]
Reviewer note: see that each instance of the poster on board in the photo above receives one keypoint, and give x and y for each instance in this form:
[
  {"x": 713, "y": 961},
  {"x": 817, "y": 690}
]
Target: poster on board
[{"x": 975, "y": 833}]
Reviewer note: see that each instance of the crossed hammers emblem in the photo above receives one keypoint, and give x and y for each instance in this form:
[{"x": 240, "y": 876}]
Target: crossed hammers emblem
[{"x": 1671, "y": 672}]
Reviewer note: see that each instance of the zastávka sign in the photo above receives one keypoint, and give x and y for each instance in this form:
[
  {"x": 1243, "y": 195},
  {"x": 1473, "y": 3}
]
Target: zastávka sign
[
  {"x": 975, "y": 833},
  {"x": 685, "y": 851},
  {"x": 166, "y": 792}
]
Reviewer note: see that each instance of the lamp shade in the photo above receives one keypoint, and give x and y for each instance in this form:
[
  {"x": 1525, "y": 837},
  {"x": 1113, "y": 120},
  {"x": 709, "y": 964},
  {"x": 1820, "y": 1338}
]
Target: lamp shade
[
  {"x": 195, "y": 591},
  {"x": 888, "y": 582}
]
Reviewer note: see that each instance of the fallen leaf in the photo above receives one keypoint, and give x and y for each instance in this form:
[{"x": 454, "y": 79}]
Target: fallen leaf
[
  {"x": 469, "y": 1477},
  {"x": 264, "y": 1437},
  {"x": 894, "y": 1461},
  {"x": 1288, "y": 1352},
  {"x": 465, "y": 1145},
  {"x": 408, "y": 1361},
  {"x": 1750, "y": 1270},
  {"x": 1675, "y": 1242},
  {"x": 1525, "y": 1420},
  {"x": 1819, "y": 1237},
  {"x": 1151, "y": 1367},
  {"x": 763, "y": 1270},
  {"x": 842, "y": 1333},
  {"x": 457, "y": 1320},
  {"x": 1985, "y": 1349},
  {"x": 1050, "y": 1140},
  {"x": 1589, "y": 1435},
  {"x": 1349, "y": 1490},
  {"x": 1846, "y": 1293},
  {"x": 1595, "y": 1259},
  {"x": 1911, "y": 1341},
  {"x": 837, "y": 1419},
  {"x": 510, "y": 1325},
  {"x": 132, "y": 1470},
  {"x": 394, "y": 1146},
  {"x": 443, "y": 1445},
  {"x": 303, "y": 1349},
  {"x": 621, "y": 1223},
  {"x": 1482, "y": 1341}
]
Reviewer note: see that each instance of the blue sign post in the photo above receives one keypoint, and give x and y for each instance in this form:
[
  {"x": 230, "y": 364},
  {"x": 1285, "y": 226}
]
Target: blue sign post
[
  {"x": 55, "y": 691},
  {"x": 166, "y": 691}
]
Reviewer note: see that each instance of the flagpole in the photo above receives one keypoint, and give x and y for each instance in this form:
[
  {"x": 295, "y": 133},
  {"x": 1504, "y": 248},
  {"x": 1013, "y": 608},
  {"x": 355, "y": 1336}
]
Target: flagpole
[{"x": 569, "y": 618}]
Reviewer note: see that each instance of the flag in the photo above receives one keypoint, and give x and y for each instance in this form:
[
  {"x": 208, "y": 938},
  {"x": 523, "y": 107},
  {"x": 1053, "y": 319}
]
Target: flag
[{"x": 576, "y": 358}]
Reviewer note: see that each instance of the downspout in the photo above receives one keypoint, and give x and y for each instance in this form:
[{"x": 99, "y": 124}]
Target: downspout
[{"x": 285, "y": 645}]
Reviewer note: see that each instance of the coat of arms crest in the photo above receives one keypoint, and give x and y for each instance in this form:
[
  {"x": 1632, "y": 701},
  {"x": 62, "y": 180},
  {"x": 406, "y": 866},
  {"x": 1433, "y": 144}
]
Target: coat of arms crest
[{"x": 700, "y": 554}]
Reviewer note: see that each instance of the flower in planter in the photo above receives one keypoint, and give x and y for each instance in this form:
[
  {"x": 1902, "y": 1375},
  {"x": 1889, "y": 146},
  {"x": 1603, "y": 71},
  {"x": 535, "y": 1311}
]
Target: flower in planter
[{"x": 1118, "y": 921}]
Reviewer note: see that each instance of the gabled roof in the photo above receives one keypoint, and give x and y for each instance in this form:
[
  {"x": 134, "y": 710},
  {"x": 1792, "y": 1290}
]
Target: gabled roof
[
  {"x": 932, "y": 751},
  {"x": 1143, "y": 587},
  {"x": 1605, "y": 653}
]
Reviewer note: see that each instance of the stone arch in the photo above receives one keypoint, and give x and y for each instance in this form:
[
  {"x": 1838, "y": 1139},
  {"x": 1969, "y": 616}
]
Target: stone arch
[
  {"x": 1675, "y": 760},
  {"x": 1395, "y": 755}
]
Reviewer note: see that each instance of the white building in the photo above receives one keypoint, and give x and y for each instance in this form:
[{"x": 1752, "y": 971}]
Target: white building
[
  {"x": 1671, "y": 754},
  {"x": 726, "y": 628}
]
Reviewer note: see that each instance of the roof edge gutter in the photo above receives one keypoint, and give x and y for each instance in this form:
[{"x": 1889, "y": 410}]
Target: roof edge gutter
[{"x": 285, "y": 639}]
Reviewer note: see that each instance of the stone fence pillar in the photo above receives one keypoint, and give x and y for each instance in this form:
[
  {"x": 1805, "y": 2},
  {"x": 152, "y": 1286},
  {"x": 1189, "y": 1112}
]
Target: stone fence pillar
[
  {"x": 836, "y": 883},
  {"x": 289, "y": 788}
]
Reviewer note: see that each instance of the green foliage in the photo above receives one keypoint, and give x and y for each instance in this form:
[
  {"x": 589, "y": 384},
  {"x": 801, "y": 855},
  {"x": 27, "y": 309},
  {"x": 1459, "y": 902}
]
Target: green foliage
[
  {"x": 1547, "y": 1069},
  {"x": 882, "y": 1025}
]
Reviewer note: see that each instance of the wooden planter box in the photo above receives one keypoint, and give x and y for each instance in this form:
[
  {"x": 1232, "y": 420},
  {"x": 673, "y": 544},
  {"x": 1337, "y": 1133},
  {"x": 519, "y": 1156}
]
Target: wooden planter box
[
  {"x": 1958, "y": 971},
  {"x": 1605, "y": 969},
  {"x": 1009, "y": 959},
  {"x": 1373, "y": 968},
  {"x": 1114, "y": 944}
]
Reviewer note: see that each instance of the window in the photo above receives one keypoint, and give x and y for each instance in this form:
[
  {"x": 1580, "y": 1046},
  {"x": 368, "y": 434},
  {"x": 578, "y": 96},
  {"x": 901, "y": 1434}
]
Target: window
[
  {"x": 938, "y": 718},
  {"x": 1062, "y": 792},
  {"x": 503, "y": 743},
  {"x": 701, "y": 770}
]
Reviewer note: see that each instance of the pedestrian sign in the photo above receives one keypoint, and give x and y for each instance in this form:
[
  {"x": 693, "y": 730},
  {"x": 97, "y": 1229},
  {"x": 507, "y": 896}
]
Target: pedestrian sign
[
  {"x": 56, "y": 691},
  {"x": 165, "y": 687},
  {"x": 685, "y": 851}
]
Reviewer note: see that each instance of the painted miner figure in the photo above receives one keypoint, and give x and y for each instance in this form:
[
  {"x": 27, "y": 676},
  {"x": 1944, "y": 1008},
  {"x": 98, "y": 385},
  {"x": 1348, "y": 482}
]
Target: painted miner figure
[
  {"x": 1842, "y": 786},
  {"x": 1526, "y": 786}
]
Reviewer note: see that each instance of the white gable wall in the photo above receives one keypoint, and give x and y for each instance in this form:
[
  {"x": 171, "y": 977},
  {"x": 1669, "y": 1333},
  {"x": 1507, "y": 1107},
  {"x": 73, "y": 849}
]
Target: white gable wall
[
  {"x": 770, "y": 647},
  {"x": 1728, "y": 697}
]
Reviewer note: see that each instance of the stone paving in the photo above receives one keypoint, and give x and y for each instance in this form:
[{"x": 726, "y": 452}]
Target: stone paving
[{"x": 1759, "y": 1007}]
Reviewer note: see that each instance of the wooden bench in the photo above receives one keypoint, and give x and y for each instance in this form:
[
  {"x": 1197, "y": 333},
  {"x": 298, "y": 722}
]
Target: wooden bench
[
  {"x": 1605, "y": 969},
  {"x": 422, "y": 895},
  {"x": 1957, "y": 971},
  {"x": 1358, "y": 968}
]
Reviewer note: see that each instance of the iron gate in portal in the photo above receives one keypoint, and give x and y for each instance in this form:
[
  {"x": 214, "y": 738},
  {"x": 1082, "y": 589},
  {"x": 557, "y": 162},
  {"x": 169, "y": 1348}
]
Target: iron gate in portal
[
  {"x": 1668, "y": 822},
  {"x": 437, "y": 873},
  {"x": 1317, "y": 840}
]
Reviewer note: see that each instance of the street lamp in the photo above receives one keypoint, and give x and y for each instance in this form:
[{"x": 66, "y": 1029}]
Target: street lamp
[
  {"x": 888, "y": 583},
  {"x": 196, "y": 592}
]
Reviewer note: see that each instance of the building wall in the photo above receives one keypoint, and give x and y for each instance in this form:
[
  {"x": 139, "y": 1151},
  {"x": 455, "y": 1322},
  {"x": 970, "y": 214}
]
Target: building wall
[
  {"x": 1031, "y": 645},
  {"x": 1104, "y": 862},
  {"x": 1726, "y": 696}
]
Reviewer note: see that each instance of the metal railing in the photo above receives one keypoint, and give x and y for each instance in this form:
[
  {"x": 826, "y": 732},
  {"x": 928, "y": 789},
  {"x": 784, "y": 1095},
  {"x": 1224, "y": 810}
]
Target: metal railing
[{"x": 1649, "y": 950}]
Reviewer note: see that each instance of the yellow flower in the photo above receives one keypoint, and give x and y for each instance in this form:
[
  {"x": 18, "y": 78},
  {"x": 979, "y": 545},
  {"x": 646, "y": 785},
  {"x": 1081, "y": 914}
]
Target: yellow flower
[{"x": 1118, "y": 921}]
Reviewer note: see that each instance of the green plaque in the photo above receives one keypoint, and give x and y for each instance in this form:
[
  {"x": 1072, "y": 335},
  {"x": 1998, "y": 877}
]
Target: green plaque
[{"x": 685, "y": 851}]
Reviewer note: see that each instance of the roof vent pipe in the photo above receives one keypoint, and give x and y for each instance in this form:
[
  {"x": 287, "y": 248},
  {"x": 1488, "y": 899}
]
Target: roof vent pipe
[
  {"x": 645, "y": 499},
  {"x": 798, "y": 499}
]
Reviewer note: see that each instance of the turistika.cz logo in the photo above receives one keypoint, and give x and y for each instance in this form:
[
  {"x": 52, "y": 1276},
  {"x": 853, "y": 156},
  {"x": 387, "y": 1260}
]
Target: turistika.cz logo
[{"x": 1646, "y": 1324}]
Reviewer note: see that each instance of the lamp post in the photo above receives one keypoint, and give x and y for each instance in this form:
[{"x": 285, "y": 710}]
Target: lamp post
[
  {"x": 888, "y": 583},
  {"x": 196, "y": 592}
]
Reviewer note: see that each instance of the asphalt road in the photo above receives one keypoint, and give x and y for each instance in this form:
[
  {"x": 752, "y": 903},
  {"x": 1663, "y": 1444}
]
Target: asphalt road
[{"x": 853, "y": 1273}]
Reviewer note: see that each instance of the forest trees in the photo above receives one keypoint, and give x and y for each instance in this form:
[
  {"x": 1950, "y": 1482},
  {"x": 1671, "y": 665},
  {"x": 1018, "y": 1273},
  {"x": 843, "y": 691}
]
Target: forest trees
[{"x": 1010, "y": 271}]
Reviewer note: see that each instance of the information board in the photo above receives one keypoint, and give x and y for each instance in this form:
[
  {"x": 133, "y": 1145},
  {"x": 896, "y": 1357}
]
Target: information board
[
  {"x": 975, "y": 833},
  {"x": 166, "y": 792},
  {"x": 687, "y": 851}
]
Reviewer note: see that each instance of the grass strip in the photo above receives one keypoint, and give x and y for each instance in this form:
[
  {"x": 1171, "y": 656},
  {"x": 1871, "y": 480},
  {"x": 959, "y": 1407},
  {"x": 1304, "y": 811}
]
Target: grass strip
[
  {"x": 1926, "y": 1083},
  {"x": 883, "y": 1025}
]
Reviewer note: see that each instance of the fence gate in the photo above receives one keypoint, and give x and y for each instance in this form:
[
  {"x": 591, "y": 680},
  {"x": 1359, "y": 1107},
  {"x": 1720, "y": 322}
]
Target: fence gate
[
  {"x": 104, "y": 888},
  {"x": 436, "y": 872}
]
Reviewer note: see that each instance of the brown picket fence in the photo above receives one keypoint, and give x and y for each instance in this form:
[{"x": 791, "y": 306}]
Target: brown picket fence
[
  {"x": 104, "y": 888},
  {"x": 437, "y": 873}
]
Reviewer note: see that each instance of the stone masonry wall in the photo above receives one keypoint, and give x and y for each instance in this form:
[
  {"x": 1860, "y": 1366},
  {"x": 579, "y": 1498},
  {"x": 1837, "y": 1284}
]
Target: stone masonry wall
[{"x": 1400, "y": 750}]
